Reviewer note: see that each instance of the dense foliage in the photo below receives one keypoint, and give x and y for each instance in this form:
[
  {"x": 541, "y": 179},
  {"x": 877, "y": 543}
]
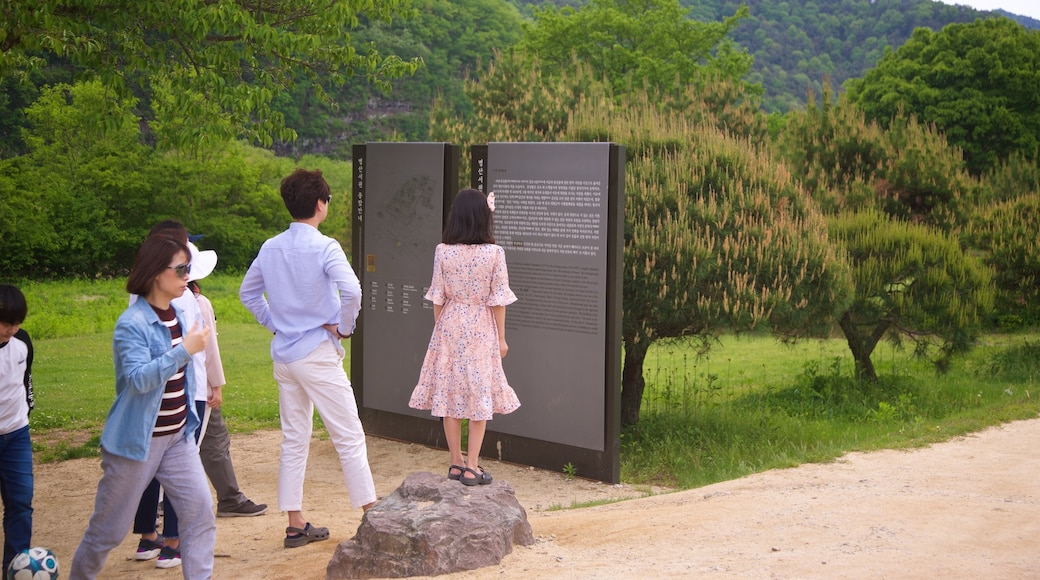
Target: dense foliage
[
  {"x": 800, "y": 44},
  {"x": 1006, "y": 233},
  {"x": 796, "y": 45},
  {"x": 217, "y": 64},
  {"x": 634, "y": 44},
  {"x": 912, "y": 282},
  {"x": 600, "y": 53},
  {"x": 893, "y": 196},
  {"x": 514, "y": 100},
  {"x": 453, "y": 38},
  {"x": 907, "y": 170},
  {"x": 718, "y": 237},
  {"x": 81, "y": 199},
  {"x": 979, "y": 83}
]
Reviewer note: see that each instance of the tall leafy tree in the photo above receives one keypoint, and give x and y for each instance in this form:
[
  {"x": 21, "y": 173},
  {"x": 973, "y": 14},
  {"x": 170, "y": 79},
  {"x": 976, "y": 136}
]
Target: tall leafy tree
[
  {"x": 718, "y": 237},
  {"x": 894, "y": 198},
  {"x": 979, "y": 83},
  {"x": 83, "y": 196},
  {"x": 912, "y": 282},
  {"x": 80, "y": 185},
  {"x": 221, "y": 63}
]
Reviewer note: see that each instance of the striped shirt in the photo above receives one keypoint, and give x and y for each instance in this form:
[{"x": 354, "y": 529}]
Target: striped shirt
[{"x": 173, "y": 413}]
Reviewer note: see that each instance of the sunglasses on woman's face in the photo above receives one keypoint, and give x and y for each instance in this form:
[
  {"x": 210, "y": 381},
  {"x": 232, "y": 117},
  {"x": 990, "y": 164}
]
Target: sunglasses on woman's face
[{"x": 181, "y": 270}]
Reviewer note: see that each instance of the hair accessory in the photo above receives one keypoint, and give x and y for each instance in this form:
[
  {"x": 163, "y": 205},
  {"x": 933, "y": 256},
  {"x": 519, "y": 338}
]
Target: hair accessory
[{"x": 491, "y": 200}]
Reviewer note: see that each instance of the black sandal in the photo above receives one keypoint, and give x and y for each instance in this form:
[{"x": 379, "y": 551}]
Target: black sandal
[
  {"x": 455, "y": 476},
  {"x": 479, "y": 478}
]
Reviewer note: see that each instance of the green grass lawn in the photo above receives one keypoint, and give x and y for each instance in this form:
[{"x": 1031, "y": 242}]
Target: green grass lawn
[
  {"x": 74, "y": 379},
  {"x": 749, "y": 404},
  {"x": 752, "y": 403}
]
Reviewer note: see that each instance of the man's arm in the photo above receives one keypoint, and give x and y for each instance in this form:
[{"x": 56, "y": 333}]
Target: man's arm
[
  {"x": 346, "y": 282},
  {"x": 251, "y": 294}
]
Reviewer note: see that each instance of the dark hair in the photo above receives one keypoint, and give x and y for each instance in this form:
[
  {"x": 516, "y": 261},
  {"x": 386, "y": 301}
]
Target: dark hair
[
  {"x": 153, "y": 256},
  {"x": 12, "y": 305},
  {"x": 171, "y": 229},
  {"x": 301, "y": 191},
  {"x": 194, "y": 287},
  {"x": 469, "y": 221}
]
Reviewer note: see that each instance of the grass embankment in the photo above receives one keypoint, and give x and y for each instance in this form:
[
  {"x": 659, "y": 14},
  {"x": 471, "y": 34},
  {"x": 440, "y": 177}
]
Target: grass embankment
[
  {"x": 751, "y": 404},
  {"x": 754, "y": 404}
]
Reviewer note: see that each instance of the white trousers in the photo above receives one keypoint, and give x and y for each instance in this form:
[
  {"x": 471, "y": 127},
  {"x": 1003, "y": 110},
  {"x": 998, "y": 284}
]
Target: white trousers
[{"x": 318, "y": 380}]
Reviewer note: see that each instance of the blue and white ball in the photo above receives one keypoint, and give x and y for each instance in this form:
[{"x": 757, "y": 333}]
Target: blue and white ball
[{"x": 33, "y": 564}]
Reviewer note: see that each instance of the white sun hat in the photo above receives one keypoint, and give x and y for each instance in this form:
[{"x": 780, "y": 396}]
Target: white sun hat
[{"x": 202, "y": 262}]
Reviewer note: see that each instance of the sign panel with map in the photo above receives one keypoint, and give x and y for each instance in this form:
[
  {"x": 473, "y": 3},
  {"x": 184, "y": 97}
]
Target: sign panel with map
[{"x": 400, "y": 191}]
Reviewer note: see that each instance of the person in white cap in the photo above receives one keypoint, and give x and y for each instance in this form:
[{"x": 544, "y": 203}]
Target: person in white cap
[
  {"x": 215, "y": 445},
  {"x": 212, "y": 435}
]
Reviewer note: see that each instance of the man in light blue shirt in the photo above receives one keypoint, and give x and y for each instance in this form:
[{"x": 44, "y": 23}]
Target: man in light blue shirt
[{"x": 312, "y": 301}]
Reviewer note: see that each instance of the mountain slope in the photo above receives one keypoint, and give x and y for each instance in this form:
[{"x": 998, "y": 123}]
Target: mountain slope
[{"x": 797, "y": 44}]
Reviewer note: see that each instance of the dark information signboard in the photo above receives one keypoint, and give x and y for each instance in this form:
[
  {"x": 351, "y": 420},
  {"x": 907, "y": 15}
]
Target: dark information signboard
[
  {"x": 560, "y": 218},
  {"x": 559, "y": 215},
  {"x": 401, "y": 192}
]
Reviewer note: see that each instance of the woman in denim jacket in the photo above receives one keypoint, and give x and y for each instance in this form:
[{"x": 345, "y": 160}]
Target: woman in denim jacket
[{"x": 148, "y": 432}]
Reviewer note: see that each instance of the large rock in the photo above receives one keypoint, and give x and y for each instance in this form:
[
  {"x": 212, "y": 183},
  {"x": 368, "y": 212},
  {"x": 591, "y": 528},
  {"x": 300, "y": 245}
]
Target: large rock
[{"x": 432, "y": 525}]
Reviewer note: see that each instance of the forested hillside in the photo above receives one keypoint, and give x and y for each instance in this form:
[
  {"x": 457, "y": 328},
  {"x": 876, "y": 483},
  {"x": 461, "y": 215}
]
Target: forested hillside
[
  {"x": 799, "y": 43},
  {"x": 796, "y": 45},
  {"x": 453, "y": 38}
]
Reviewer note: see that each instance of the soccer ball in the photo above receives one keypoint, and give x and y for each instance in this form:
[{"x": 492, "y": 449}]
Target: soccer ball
[{"x": 33, "y": 564}]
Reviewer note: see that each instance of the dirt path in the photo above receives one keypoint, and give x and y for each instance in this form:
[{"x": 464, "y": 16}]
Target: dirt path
[{"x": 966, "y": 508}]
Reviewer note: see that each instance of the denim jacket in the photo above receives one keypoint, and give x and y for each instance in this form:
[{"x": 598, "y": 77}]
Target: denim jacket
[{"x": 144, "y": 362}]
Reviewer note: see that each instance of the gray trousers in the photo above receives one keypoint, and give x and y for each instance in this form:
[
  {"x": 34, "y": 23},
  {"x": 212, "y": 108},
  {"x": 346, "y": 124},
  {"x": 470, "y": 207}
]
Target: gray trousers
[
  {"x": 174, "y": 461},
  {"x": 215, "y": 453}
]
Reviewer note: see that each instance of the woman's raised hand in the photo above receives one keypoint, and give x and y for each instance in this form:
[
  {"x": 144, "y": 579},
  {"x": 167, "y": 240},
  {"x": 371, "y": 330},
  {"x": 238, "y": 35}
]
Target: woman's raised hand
[{"x": 196, "y": 338}]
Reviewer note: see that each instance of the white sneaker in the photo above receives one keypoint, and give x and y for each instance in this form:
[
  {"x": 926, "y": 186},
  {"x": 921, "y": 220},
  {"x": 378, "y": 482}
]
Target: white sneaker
[
  {"x": 168, "y": 558},
  {"x": 148, "y": 549}
]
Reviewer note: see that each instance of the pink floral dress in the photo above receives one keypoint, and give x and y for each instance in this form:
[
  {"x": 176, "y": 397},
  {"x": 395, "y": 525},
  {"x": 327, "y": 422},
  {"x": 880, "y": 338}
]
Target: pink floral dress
[{"x": 462, "y": 374}]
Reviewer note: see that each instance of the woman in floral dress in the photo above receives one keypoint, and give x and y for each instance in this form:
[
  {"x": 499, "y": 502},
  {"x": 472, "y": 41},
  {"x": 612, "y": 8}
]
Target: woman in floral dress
[{"x": 462, "y": 376}]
